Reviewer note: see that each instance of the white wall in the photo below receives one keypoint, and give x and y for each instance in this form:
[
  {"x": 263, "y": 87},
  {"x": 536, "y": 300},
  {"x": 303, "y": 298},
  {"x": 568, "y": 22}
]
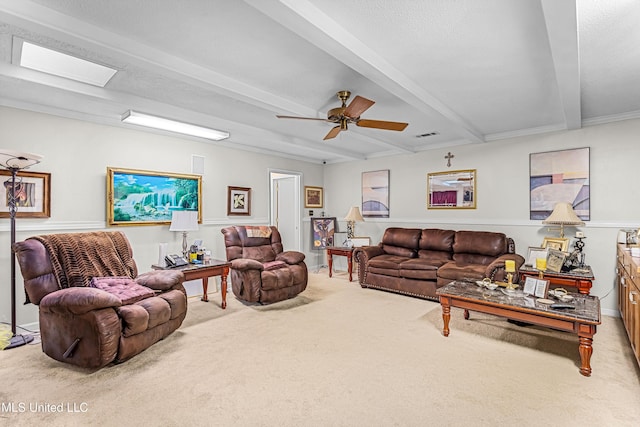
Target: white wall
[
  {"x": 77, "y": 154},
  {"x": 503, "y": 192}
]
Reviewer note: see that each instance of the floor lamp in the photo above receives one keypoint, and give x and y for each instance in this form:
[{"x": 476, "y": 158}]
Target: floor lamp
[{"x": 14, "y": 162}]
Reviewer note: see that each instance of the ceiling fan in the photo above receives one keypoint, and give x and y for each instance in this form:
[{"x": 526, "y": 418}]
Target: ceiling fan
[{"x": 351, "y": 114}]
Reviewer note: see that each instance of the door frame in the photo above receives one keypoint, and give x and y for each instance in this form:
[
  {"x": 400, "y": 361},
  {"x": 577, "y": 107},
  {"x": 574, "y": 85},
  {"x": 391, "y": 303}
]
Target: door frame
[{"x": 297, "y": 198}]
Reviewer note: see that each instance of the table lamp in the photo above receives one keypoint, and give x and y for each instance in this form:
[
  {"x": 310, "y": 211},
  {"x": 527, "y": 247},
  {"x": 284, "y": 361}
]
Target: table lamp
[
  {"x": 563, "y": 214},
  {"x": 184, "y": 221},
  {"x": 352, "y": 217},
  {"x": 15, "y": 162}
]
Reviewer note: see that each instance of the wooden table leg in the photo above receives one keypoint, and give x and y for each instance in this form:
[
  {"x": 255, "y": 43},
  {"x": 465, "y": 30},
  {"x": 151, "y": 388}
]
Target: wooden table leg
[
  {"x": 466, "y": 314},
  {"x": 205, "y": 287},
  {"x": 585, "y": 337},
  {"x": 446, "y": 316},
  {"x": 350, "y": 264},
  {"x": 330, "y": 261},
  {"x": 223, "y": 287}
]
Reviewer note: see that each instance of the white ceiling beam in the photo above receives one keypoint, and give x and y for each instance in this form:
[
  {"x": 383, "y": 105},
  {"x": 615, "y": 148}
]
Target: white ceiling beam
[
  {"x": 310, "y": 23},
  {"x": 561, "y": 19}
]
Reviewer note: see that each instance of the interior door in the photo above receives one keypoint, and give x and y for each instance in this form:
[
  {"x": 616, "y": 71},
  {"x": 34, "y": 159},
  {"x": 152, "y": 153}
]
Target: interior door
[{"x": 284, "y": 215}]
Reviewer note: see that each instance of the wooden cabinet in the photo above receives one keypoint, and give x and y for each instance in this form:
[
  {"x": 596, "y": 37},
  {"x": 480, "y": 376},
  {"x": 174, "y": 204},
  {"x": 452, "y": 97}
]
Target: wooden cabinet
[{"x": 628, "y": 277}]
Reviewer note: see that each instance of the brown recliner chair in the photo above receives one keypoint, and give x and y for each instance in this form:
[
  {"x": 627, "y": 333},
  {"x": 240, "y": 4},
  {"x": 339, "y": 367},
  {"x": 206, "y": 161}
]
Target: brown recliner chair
[
  {"x": 260, "y": 270},
  {"x": 94, "y": 308}
]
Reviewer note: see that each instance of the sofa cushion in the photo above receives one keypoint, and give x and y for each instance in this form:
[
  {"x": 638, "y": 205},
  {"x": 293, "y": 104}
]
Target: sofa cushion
[
  {"x": 124, "y": 288},
  {"x": 480, "y": 242},
  {"x": 402, "y": 237},
  {"x": 434, "y": 239},
  {"x": 461, "y": 271},
  {"x": 387, "y": 261},
  {"x": 436, "y": 258},
  {"x": 399, "y": 251},
  {"x": 418, "y": 264}
]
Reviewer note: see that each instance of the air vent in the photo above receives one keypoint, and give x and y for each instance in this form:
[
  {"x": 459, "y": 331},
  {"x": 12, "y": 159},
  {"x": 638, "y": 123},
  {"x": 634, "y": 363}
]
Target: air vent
[{"x": 425, "y": 135}]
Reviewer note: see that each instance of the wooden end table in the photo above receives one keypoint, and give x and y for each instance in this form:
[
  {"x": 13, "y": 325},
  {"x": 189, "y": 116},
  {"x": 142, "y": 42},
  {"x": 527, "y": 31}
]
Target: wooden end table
[
  {"x": 203, "y": 271},
  {"x": 582, "y": 321},
  {"x": 342, "y": 251},
  {"x": 582, "y": 281}
]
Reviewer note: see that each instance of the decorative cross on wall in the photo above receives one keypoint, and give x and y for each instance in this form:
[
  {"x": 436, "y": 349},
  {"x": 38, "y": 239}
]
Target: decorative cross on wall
[{"x": 449, "y": 156}]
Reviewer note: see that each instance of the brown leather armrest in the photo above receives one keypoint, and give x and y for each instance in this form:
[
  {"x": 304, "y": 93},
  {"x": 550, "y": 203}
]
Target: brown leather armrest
[
  {"x": 244, "y": 264},
  {"x": 290, "y": 257},
  {"x": 78, "y": 300},
  {"x": 495, "y": 270},
  {"x": 161, "y": 280},
  {"x": 365, "y": 253}
]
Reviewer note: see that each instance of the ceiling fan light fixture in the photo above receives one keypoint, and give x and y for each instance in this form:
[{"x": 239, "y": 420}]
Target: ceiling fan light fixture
[{"x": 156, "y": 122}]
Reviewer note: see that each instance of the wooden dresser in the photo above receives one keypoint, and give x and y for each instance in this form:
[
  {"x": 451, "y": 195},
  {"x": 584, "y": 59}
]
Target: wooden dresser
[{"x": 628, "y": 277}]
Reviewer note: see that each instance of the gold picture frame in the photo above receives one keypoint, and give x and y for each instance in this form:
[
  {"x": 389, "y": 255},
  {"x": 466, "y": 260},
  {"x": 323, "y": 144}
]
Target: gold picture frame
[
  {"x": 34, "y": 190},
  {"x": 141, "y": 197},
  {"x": 313, "y": 197},
  {"x": 452, "y": 189},
  {"x": 557, "y": 243}
]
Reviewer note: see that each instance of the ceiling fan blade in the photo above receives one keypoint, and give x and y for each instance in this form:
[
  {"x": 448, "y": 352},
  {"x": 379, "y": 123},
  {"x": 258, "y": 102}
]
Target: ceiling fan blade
[
  {"x": 301, "y": 118},
  {"x": 380, "y": 124},
  {"x": 333, "y": 133},
  {"x": 358, "y": 106}
]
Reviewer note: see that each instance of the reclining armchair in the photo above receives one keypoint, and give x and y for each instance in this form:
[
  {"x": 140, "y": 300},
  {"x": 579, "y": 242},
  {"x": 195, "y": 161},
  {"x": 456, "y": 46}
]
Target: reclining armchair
[
  {"x": 261, "y": 271},
  {"x": 94, "y": 309}
]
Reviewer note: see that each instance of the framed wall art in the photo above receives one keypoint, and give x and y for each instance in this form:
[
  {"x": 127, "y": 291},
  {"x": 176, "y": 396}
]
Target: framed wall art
[
  {"x": 33, "y": 194},
  {"x": 322, "y": 232},
  {"x": 559, "y": 176},
  {"x": 139, "y": 197},
  {"x": 451, "y": 189},
  {"x": 313, "y": 197},
  {"x": 375, "y": 194},
  {"x": 238, "y": 201}
]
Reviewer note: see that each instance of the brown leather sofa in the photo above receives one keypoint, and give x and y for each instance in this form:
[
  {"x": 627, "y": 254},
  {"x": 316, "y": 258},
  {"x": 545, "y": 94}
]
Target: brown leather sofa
[
  {"x": 416, "y": 261},
  {"x": 261, "y": 271},
  {"x": 94, "y": 309}
]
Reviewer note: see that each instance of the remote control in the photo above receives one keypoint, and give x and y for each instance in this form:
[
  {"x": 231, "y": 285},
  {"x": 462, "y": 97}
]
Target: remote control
[{"x": 562, "y": 306}]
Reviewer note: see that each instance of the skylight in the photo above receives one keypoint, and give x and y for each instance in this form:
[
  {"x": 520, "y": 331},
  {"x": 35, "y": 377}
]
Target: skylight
[{"x": 67, "y": 66}]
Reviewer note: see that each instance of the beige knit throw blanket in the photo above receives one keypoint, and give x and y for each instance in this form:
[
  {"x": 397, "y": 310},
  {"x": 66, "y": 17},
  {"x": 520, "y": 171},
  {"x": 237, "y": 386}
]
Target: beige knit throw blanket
[
  {"x": 258, "y": 231},
  {"x": 78, "y": 257}
]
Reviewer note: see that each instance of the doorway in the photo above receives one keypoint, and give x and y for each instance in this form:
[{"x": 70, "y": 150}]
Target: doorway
[{"x": 285, "y": 207}]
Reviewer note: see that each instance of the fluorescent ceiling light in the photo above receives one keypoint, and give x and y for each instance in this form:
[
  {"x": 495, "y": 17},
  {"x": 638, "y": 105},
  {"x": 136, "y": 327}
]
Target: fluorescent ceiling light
[
  {"x": 67, "y": 66},
  {"x": 173, "y": 126}
]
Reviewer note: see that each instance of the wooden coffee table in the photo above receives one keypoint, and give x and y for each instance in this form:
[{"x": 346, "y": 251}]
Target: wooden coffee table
[
  {"x": 203, "y": 271},
  {"x": 581, "y": 321}
]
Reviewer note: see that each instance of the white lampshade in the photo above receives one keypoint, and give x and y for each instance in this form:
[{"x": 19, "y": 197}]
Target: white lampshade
[
  {"x": 16, "y": 160},
  {"x": 184, "y": 221},
  {"x": 563, "y": 214},
  {"x": 354, "y": 215}
]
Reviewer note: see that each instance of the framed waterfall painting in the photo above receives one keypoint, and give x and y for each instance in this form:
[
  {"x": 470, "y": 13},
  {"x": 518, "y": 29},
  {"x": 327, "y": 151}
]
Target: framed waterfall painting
[{"x": 139, "y": 197}]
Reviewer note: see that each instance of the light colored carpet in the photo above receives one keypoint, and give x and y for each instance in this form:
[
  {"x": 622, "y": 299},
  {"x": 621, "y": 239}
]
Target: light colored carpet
[{"x": 337, "y": 355}]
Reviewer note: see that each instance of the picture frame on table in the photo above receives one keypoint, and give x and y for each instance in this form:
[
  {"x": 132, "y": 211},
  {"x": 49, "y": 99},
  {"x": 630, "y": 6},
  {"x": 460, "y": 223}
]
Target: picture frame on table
[
  {"x": 322, "y": 232},
  {"x": 358, "y": 242},
  {"x": 33, "y": 191},
  {"x": 555, "y": 260},
  {"x": 536, "y": 287},
  {"x": 535, "y": 253},
  {"x": 238, "y": 201},
  {"x": 313, "y": 197},
  {"x": 141, "y": 197},
  {"x": 557, "y": 243}
]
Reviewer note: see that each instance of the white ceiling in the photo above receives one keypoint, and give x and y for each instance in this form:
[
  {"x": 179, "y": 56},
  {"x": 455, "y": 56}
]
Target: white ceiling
[{"x": 473, "y": 71}]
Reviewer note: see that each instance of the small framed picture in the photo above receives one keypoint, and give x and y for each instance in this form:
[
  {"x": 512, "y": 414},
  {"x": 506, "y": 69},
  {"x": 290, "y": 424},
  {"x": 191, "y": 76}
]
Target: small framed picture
[
  {"x": 557, "y": 243},
  {"x": 555, "y": 260},
  {"x": 238, "y": 201},
  {"x": 313, "y": 197},
  {"x": 360, "y": 241},
  {"x": 534, "y": 254},
  {"x": 32, "y": 194},
  {"x": 536, "y": 287}
]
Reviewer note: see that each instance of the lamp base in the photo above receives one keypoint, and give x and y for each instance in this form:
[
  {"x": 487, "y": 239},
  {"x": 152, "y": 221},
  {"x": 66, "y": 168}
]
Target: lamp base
[{"x": 18, "y": 341}]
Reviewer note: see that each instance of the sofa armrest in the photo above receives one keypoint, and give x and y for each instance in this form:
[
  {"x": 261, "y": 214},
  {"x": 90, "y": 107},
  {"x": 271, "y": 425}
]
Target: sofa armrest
[
  {"x": 78, "y": 300},
  {"x": 495, "y": 270},
  {"x": 362, "y": 255},
  {"x": 161, "y": 280},
  {"x": 245, "y": 264},
  {"x": 290, "y": 257}
]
